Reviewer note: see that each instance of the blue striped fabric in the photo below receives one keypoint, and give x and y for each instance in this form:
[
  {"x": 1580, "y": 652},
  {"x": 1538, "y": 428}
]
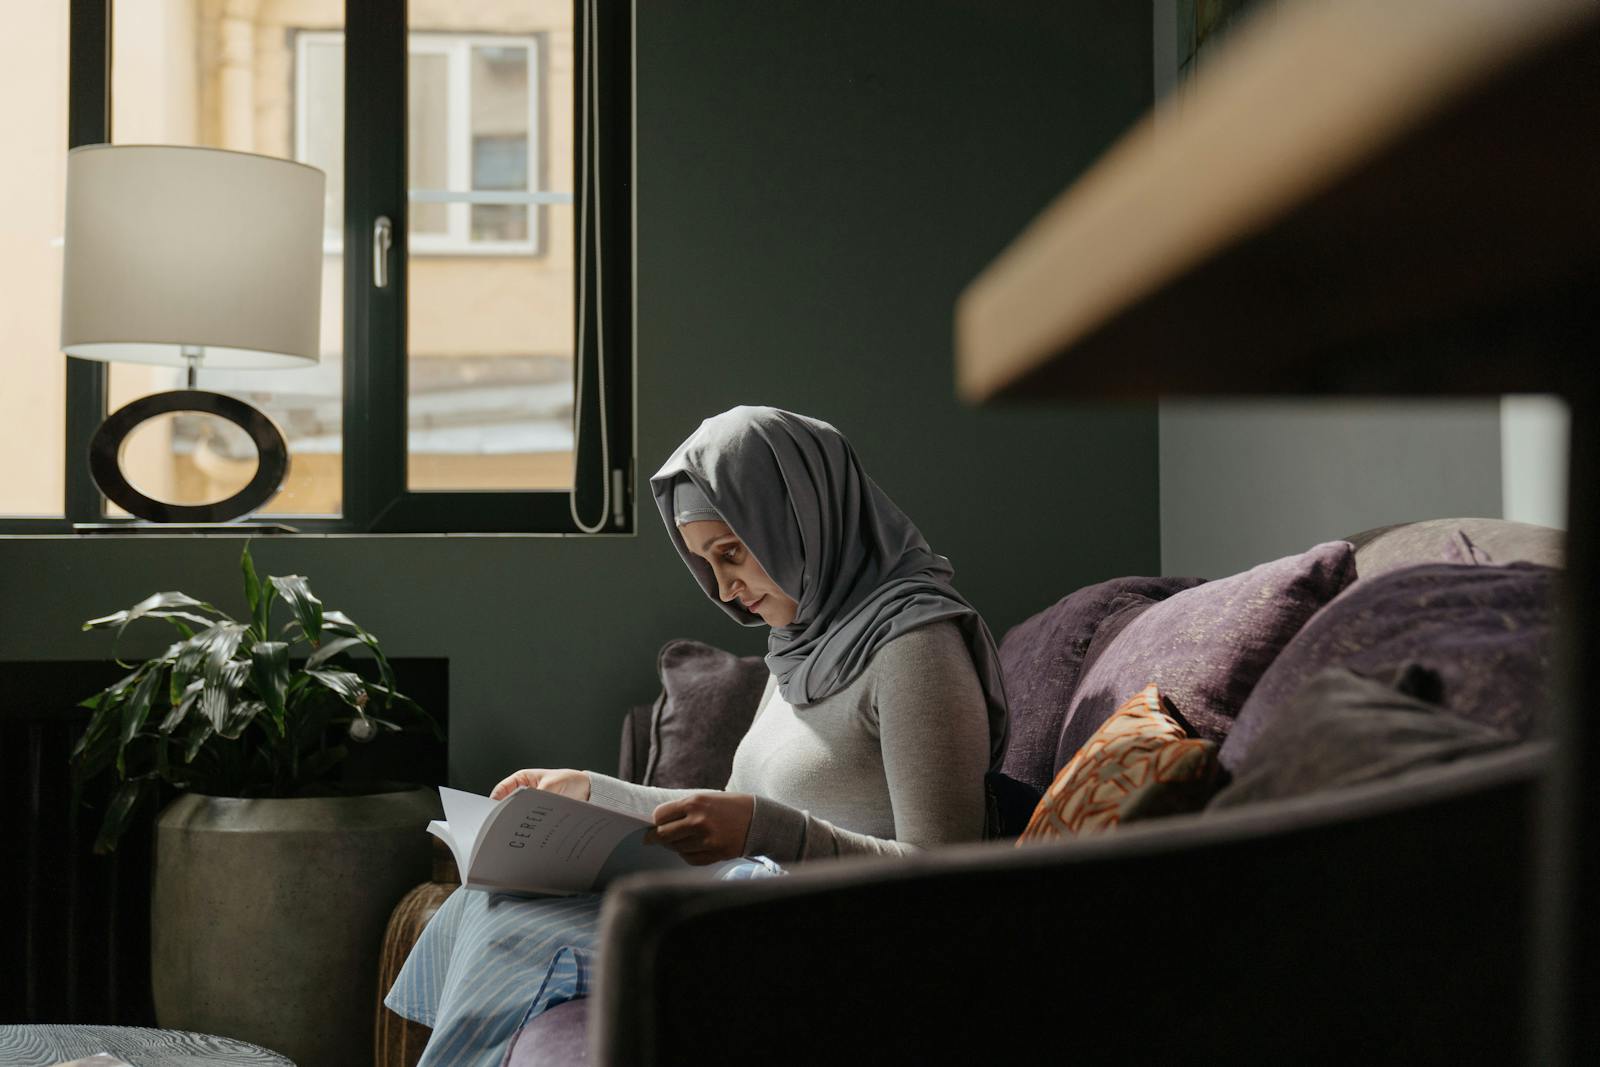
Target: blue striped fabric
[{"x": 488, "y": 963}]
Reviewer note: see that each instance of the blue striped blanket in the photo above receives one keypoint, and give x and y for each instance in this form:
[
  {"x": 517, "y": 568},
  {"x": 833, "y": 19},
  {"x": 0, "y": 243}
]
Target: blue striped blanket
[{"x": 487, "y": 963}]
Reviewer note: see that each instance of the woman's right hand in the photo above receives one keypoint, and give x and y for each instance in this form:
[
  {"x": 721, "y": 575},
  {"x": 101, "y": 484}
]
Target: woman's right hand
[{"x": 568, "y": 783}]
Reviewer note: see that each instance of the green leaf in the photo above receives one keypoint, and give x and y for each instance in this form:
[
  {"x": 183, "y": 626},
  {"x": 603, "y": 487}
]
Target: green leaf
[
  {"x": 347, "y": 685},
  {"x": 239, "y": 715},
  {"x": 221, "y": 692},
  {"x": 328, "y": 649},
  {"x": 171, "y": 605},
  {"x": 203, "y": 653},
  {"x": 259, "y": 597},
  {"x": 219, "y": 646},
  {"x": 269, "y": 669},
  {"x": 296, "y": 592},
  {"x": 112, "y": 692},
  {"x": 97, "y": 749},
  {"x": 116, "y": 819},
  {"x": 201, "y": 735},
  {"x": 137, "y": 708},
  {"x": 337, "y": 622},
  {"x": 399, "y": 702},
  {"x": 182, "y": 706}
]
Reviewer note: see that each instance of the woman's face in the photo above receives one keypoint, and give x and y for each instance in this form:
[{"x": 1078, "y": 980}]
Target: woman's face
[{"x": 738, "y": 574}]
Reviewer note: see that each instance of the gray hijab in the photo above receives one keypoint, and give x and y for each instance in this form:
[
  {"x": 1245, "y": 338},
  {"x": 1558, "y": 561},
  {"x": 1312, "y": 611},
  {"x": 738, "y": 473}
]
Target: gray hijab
[{"x": 792, "y": 489}]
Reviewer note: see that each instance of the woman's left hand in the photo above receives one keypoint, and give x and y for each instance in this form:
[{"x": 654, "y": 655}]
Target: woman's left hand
[{"x": 706, "y": 827}]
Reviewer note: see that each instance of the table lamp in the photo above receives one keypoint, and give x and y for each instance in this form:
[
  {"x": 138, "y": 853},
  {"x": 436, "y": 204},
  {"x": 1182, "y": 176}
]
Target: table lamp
[{"x": 191, "y": 257}]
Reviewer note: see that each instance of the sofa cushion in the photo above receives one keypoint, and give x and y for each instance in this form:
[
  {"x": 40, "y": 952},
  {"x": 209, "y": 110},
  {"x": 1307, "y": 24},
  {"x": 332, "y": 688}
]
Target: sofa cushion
[
  {"x": 1485, "y": 630},
  {"x": 1499, "y": 541},
  {"x": 1343, "y": 729},
  {"x": 1206, "y": 647},
  {"x": 1140, "y": 763},
  {"x": 557, "y": 1037},
  {"x": 1041, "y": 658},
  {"x": 708, "y": 699}
]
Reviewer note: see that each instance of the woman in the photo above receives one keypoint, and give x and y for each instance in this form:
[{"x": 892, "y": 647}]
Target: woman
[{"x": 883, "y": 711}]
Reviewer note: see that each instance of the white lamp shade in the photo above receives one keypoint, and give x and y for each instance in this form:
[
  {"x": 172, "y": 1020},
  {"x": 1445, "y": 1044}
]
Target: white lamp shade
[{"x": 170, "y": 247}]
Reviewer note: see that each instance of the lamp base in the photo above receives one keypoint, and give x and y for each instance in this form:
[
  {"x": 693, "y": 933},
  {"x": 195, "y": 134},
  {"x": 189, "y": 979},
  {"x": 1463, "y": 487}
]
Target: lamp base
[
  {"x": 105, "y": 458},
  {"x": 252, "y": 528}
]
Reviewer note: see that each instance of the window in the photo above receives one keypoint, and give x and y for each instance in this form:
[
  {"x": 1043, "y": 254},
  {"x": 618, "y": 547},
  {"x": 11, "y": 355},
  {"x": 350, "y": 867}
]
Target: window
[
  {"x": 465, "y": 395},
  {"x": 33, "y": 68}
]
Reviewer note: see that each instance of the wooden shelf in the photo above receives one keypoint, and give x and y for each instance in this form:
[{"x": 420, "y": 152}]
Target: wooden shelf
[{"x": 1376, "y": 196}]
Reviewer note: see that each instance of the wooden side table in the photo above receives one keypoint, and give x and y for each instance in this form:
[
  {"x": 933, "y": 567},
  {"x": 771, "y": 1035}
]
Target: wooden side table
[{"x": 42, "y": 1044}]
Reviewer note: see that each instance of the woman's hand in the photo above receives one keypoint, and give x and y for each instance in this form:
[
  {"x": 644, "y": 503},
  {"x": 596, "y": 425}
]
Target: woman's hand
[
  {"x": 568, "y": 783},
  {"x": 706, "y": 827}
]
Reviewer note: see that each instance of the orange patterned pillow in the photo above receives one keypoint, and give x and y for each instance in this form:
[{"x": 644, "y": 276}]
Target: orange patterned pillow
[{"x": 1140, "y": 763}]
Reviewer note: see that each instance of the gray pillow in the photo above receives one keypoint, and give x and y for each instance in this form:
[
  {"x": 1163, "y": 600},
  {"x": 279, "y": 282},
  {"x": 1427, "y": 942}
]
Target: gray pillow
[
  {"x": 1342, "y": 729},
  {"x": 1472, "y": 541},
  {"x": 708, "y": 699}
]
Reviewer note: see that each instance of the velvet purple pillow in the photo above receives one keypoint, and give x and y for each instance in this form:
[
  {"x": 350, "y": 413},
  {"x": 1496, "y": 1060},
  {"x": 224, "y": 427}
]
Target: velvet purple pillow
[
  {"x": 708, "y": 700},
  {"x": 1077, "y": 730},
  {"x": 1040, "y": 659},
  {"x": 1487, "y": 632},
  {"x": 1206, "y": 647}
]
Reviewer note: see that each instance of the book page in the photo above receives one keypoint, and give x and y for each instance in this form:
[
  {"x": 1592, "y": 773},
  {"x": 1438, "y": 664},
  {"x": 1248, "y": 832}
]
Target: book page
[
  {"x": 537, "y": 841},
  {"x": 464, "y": 814}
]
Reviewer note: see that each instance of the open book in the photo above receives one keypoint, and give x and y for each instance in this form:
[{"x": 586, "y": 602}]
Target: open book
[{"x": 536, "y": 842}]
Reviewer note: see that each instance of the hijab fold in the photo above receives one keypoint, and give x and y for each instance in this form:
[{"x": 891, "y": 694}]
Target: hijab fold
[{"x": 792, "y": 489}]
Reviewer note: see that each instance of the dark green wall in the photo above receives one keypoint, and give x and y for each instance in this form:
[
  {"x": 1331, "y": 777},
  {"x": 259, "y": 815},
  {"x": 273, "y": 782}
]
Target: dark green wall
[{"x": 817, "y": 181}]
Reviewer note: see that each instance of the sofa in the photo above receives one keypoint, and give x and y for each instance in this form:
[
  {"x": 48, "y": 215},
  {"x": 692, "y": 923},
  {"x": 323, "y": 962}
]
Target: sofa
[{"x": 1379, "y": 917}]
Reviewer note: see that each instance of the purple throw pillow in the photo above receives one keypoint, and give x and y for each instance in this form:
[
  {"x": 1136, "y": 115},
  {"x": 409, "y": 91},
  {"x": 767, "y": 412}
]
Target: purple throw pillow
[
  {"x": 1040, "y": 659},
  {"x": 1207, "y": 646},
  {"x": 1342, "y": 729},
  {"x": 1077, "y": 730},
  {"x": 1485, "y": 630},
  {"x": 708, "y": 700}
]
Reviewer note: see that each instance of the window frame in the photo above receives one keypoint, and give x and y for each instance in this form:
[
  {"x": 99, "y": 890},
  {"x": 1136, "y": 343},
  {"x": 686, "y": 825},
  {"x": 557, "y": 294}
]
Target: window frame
[{"x": 375, "y": 495}]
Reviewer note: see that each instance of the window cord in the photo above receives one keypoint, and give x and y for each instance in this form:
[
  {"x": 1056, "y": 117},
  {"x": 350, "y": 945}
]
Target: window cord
[{"x": 591, "y": 168}]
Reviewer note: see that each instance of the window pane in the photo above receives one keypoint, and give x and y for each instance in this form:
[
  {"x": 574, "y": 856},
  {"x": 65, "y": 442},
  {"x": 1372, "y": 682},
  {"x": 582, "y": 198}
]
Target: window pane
[
  {"x": 500, "y": 129},
  {"x": 428, "y": 132},
  {"x": 492, "y": 302},
  {"x": 321, "y": 103},
  {"x": 33, "y": 82},
  {"x": 217, "y": 458},
  {"x": 269, "y": 79}
]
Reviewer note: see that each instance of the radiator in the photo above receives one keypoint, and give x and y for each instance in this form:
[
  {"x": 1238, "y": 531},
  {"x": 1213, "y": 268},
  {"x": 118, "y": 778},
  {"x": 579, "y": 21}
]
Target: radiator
[{"x": 76, "y": 942}]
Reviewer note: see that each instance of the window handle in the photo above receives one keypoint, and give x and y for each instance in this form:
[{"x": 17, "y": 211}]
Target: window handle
[{"x": 382, "y": 239}]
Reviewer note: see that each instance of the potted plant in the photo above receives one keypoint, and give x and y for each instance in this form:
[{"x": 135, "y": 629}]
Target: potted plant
[{"x": 274, "y": 877}]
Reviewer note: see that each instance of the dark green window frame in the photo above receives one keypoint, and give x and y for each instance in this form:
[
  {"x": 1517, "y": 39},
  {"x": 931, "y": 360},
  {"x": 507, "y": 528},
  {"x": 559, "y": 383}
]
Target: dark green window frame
[{"x": 376, "y": 499}]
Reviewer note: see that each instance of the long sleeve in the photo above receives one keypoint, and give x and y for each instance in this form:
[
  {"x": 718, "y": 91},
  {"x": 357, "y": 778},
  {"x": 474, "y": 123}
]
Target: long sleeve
[
  {"x": 639, "y": 800},
  {"x": 922, "y": 699}
]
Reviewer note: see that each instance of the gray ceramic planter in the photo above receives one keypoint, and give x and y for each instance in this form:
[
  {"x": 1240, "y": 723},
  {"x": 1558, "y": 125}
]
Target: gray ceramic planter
[{"x": 268, "y": 915}]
